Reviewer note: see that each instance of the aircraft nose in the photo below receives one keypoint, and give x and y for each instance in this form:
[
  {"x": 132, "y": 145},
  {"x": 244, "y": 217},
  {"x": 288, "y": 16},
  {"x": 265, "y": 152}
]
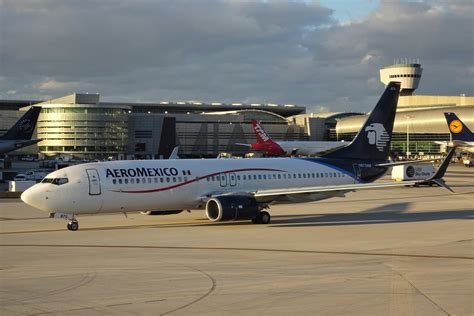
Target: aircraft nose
[{"x": 32, "y": 196}]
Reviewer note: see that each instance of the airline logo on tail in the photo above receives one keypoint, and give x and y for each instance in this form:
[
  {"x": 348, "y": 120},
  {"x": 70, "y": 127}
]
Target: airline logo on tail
[
  {"x": 377, "y": 135},
  {"x": 455, "y": 127},
  {"x": 26, "y": 126},
  {"x": 262, "y": 136}
]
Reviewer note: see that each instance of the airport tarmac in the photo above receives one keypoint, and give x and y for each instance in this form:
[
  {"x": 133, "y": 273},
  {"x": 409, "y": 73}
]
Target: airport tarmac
[{"x": 403, "y": 251}]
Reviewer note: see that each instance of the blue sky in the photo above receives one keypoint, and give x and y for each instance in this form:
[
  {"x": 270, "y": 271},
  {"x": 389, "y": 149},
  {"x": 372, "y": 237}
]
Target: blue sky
[{"x": 349, "y": 10}]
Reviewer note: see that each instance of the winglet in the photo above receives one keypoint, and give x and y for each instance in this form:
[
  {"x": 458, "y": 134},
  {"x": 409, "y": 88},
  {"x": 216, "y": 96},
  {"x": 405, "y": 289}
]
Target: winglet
[
  {"x": 174, "y": 153},
  {"x": 439, "y": 174}
]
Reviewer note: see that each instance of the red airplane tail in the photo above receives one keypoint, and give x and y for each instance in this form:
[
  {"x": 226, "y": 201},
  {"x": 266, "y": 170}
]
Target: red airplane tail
[
  {"x": 262, "y": 136},
  {"x": 264, "y": 142}
]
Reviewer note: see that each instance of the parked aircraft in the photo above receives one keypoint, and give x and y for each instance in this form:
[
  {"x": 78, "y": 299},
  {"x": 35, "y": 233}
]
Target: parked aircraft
[
  {"x": 228, "y": 189},
  {"x": 461, "y": 135},
  {"x": 20, "y": 134},
  {"x": 289, "y": 148}
]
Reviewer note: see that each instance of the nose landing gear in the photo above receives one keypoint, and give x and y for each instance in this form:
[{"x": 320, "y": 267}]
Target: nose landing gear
[{"x": 73, "y": 225}]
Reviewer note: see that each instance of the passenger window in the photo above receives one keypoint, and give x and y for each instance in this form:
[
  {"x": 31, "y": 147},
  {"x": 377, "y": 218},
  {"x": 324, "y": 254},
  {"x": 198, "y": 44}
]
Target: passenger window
[
  {"x": 168, "y": 180},
  {"x": 174, "y": 179},
  {"x": 114, "y": 181},
  {"x": 138, "y": 180},
  {"x": 279, "y": 176},
  {"x": 132, "y": 180},
  {"x": 294, "y": 175},
  {"x": 162, "y": 180},
  {"x": 149, "y": 180},
  {"x": 156, "y": 180},
  {"x": 274, "y": 176},
  {"x": 304, "y": 175},
  {"x": 126, "y": 181},
  {"x": 264, "y": 177},
  {"x": 238, "y": 178},
  {"x": 255, "y": 177},
  {"x": 259, "y": 177},
  {"x": 299, "y": 175},
  {"x": 120, "y": 181}
]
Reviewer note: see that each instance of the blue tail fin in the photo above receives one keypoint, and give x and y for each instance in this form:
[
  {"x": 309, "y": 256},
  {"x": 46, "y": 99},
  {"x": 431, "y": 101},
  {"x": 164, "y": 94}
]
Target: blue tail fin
[
  {"x": 459, "y": 131},
  {"x": 24, "y": 127},
  {"x": 372, "y": 142}
]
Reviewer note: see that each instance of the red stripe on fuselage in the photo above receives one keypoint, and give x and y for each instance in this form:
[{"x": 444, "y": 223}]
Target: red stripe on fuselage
[{"x": 194, "y": 180}]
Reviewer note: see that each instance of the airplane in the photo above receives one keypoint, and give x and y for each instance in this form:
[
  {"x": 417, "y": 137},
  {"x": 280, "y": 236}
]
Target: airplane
[
  {"x": 461, "y": 135},
  {"x": 227, "y": 189},
  {"x": 288, "y": 148},
  {"x": 20, "y": 134}
]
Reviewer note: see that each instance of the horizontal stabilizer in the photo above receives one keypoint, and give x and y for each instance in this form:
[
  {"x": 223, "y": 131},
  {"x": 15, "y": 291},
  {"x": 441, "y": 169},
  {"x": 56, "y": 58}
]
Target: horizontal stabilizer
[
  {"x": 246, "y": 145},
  {"x": 401, "y": 163},
  {"x": 437, "y": 177}
]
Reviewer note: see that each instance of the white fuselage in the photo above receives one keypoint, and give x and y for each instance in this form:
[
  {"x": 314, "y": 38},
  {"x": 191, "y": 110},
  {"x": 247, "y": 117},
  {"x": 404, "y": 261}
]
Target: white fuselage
[
  {"x": 154, "y": 185},
  {"x": 308, "y": 148}
]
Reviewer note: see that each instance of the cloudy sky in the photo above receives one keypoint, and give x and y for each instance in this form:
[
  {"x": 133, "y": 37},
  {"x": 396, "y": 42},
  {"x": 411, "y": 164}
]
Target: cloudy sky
[{"x": 322, "y": 54}]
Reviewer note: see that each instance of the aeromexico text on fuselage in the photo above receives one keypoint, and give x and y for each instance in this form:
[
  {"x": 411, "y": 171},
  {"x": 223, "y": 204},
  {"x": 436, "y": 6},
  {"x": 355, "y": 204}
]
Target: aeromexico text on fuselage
[{"x": 144, "y": 172}]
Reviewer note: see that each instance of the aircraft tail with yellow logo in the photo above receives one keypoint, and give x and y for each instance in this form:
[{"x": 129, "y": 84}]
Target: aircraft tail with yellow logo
[{"x": 459, "y": 131}]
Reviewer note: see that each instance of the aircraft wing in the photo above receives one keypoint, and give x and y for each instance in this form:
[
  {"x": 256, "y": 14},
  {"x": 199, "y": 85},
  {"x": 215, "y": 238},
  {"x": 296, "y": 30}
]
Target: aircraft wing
[
  {"x": 331, "y": 188},
  {"x": 436, "y": 178}
]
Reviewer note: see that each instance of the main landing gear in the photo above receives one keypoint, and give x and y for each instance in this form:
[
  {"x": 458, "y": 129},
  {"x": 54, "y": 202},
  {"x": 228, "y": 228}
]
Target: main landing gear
[{"x": 262, "y": 218}]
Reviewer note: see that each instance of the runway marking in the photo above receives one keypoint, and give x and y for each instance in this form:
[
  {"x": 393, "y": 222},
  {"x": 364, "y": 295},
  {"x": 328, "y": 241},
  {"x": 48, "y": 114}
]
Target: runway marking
[
  {"x": 356, "y": 253},
  {"x": 118, "y": 304},
  {"x": 153, "y": 301},
  {"x": 213, "y": 287},
  {"x": 418, "y": 290}
]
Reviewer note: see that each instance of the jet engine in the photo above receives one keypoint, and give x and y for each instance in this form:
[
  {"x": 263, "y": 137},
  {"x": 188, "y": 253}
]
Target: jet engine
[
  {"x": 231, "y": 207},
  {"x": 161, "y": 212}
]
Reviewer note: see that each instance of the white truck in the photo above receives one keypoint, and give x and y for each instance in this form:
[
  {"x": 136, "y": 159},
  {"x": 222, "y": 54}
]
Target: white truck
[
  {"x": 31, "y": 175},
  {"x": 468, "y": 162},
  {"x": 415, "y": 171}
]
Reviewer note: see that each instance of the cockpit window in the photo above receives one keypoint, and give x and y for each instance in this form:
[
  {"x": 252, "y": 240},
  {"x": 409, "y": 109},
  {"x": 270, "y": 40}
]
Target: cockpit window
[{"x": 56, "y": 181}]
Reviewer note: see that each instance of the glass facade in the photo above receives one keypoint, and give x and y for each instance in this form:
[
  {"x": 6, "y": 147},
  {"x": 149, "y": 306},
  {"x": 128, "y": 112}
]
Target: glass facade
[{"x": 91, "y": 132}]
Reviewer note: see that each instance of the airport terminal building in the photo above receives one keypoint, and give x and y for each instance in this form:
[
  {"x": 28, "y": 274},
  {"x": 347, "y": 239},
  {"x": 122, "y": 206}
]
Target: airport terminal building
[{"x": 81, "y": 126}]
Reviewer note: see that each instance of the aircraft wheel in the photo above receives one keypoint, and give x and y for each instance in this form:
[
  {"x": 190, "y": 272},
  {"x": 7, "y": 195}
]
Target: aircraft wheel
[
  {"x": 256, "y": 220},
  {"x": 73, "y": 226},
  {"x": 68, "y": 226},
  {"x": 264, "y": 217}
]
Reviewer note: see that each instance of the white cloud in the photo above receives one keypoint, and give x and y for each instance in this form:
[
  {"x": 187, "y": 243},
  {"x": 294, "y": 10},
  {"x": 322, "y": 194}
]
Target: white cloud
[{"x": 230, "y": 51}]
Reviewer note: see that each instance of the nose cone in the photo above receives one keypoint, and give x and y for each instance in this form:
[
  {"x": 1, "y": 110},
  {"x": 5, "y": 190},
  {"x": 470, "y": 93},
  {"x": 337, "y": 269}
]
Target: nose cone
[{"x": 34, "y": 197}]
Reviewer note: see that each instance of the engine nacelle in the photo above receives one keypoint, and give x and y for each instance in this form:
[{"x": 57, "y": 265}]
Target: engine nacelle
[
  {"x": 230, "y": 208},
  {"x": 161, "y": 212}
]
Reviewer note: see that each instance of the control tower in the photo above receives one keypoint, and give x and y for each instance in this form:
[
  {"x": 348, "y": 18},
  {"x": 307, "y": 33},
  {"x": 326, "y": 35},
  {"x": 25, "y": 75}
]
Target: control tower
[{"x": 409, "y": 74}]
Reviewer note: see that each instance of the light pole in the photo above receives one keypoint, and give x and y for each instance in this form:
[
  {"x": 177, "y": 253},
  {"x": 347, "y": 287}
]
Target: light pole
[{"x": 408, "y": 136}]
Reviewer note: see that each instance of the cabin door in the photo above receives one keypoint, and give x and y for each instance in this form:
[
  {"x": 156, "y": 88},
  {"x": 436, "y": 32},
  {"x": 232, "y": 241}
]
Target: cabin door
[{"x": 94, "y": 181}]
